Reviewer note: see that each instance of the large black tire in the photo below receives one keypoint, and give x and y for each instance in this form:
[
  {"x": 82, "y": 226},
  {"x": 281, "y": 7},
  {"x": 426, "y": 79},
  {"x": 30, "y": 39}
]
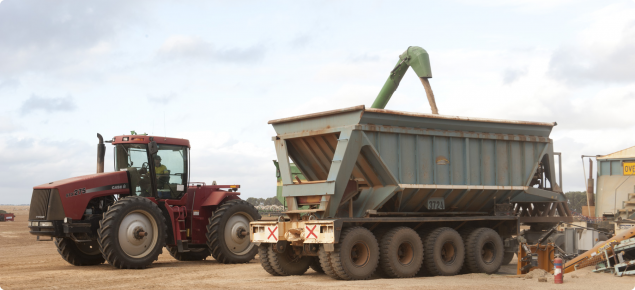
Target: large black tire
[
  {"x": 401, "y": 253},
  {"x": 288, "y": 263},
  {"x": 79, "y": 254},
  {"x": 465, "y": 233},
  {"x": 195, "y": 254},
  {"x": 423, "y": 234},
  {"x": 356, "y": 256},
  {"x": 263, "y": 255},
  {"x": 379, "y": 233},
  {"x": 325, "y": 263},
  {"x": 508, "y": 257},
  {"x": 444, "y": 252},
  {"x": 484, "y": 251},
  {"x": 315, "y": 265},
  {"x": 225, "y": 243},
  {"x": 120, "y": 239}
]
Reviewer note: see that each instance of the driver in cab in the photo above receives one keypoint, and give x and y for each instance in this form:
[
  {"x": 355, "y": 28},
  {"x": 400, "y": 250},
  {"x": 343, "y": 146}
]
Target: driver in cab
[{"x": 161, "y": 171}]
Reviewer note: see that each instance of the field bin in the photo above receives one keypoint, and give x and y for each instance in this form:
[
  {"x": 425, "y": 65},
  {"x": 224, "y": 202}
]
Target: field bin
[{"x": 360, "y": 162}]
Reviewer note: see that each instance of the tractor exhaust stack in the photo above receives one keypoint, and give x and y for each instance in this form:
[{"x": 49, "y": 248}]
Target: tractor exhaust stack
[{"x": 101, "y": 153}]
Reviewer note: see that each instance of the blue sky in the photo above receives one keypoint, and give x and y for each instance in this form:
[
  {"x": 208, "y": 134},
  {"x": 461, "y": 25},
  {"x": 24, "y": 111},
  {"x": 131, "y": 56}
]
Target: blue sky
[{"x": 219, "y": 70}]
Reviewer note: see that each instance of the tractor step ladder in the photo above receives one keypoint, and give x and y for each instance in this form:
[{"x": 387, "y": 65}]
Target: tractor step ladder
[{"x": 178, "y": 215}]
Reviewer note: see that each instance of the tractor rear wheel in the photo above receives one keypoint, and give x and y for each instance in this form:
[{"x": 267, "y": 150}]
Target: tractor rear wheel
[
  {"x": 484, "y": 251},
  {"x": 356, "y": 256},
  {"x": 79, "y": 254},
  {"x": 288, "y": 263},
  {"x": 401, "y": 253},
  {"x": 228, "y": 232},
  {"x": 195, "y": 254},
  {"x": 444, "y": 252},
  {"x": 132, "y": 233}
]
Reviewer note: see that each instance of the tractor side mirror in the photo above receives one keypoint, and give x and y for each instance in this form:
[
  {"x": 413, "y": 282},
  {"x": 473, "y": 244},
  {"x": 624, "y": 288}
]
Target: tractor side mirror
[{"x": 153, "y": 148}]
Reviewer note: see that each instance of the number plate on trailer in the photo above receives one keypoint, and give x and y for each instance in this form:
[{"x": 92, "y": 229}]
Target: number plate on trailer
[{"x": 436, "y": 203}]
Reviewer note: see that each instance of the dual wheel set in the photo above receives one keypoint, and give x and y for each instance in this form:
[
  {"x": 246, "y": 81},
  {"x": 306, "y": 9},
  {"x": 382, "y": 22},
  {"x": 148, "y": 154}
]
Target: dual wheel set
[
  {"x": 133, "y": 232},
  {"x": 394, "y": 253}
]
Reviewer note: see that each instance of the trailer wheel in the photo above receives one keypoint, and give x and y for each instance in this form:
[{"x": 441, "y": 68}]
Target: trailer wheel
[
  {"x": 356, "y": 255},
  {"x": 263, "y": 255},
  {"x": 423, "y": 234},
  {"x": 401, "y": 253},
  {"x": 132, "y": 233},
  {"x": 465, "y": 233},
  {"x": 484, "y": 251},
  {"x": 316, "y": 266},
  {"x": 289, "y": 263},
  {"x": 379, "y": 233},
  {"x": 325, "y": 262},
  {"x": 195, "y": 254},
  {"x": 79, "y": 254},
  {"x": 228, "y": 232},
  {"x": 507, "y": 258},
  {"x": 444, "y": 252}
]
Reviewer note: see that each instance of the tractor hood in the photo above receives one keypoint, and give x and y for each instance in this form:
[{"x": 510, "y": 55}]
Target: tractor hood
[
  {"x": 69, "y": 197},
  {"x": 88, "y": 181}
]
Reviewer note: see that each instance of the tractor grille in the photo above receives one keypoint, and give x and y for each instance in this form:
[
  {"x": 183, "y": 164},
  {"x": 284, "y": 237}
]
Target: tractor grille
[{"x": 39, "y": 203}]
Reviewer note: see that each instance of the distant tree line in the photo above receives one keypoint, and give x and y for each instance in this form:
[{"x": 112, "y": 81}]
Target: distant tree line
[{"x": 263, "y": 201}]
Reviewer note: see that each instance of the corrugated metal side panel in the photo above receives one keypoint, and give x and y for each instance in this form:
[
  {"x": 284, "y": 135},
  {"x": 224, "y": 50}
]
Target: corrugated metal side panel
[{"x": 421, "y": 159}]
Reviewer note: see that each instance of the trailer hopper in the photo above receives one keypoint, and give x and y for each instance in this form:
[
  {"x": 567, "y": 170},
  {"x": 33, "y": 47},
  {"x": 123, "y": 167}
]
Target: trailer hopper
[
  {"x": 373, "y": 175},
  {"x": 359, "y": 160}
]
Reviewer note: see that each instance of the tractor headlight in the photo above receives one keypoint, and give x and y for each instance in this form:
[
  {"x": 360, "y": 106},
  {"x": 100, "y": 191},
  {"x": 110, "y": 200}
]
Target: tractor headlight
[
  {"x": 46, "y": 224},
  {"x": 34, "y": 224}
]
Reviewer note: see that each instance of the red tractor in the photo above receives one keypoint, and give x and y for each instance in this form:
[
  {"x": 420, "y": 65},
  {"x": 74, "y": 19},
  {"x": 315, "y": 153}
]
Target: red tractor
[{"x": 126, "y": 217}]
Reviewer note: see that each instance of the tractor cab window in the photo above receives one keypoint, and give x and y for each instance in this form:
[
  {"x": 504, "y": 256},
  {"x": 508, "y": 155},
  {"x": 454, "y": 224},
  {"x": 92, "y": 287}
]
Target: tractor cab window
[
  {"x": 170, "y": 166},
  {"x": 134, "y": 159}
]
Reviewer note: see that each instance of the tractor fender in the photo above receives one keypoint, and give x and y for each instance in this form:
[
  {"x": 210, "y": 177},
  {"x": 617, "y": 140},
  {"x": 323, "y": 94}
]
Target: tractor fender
[{"x": 217, "y": 197}]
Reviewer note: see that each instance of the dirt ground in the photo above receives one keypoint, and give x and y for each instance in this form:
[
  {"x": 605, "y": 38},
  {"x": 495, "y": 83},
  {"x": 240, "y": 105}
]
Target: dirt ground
[{"x": 28, "y": 264}]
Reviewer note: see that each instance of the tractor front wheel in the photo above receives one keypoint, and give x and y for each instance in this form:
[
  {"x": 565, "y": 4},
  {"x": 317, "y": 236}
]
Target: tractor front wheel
[
  {"x": 132, "y": 233},
  {"x": 228, "y": 232},
  {"x": 79, "y": 254}
]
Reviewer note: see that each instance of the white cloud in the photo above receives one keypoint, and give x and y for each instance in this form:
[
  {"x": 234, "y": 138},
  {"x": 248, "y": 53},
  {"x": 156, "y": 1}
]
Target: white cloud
[
  {"x": 184, "y": 47},
  {"x": 524, "y": 5},
  {"x": 53, "y": 36},
  {"x": 48, "y": 105},
  {"x": 603, "y": 52},
  {"x": 28, "y": 162},
  {"x": 7, "y": 125},
  {"x": 217, "y": 156}
]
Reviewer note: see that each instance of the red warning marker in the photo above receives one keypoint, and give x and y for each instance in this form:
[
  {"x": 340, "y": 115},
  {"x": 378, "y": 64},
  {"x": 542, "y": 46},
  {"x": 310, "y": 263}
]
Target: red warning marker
[
  {"x": 308, "y": 236},
  {"x": 272, "y": 233}
]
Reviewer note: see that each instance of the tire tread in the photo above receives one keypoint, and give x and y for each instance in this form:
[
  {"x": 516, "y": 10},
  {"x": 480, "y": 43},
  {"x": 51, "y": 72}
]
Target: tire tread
[
  {"x": 214, "y": 235},
  {"x": 107, "y": 226}
]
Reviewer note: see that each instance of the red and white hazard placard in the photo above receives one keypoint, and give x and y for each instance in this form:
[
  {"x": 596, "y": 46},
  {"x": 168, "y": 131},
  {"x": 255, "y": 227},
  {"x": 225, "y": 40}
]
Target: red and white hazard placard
[
  {"x": 311, "y": 232},
  {"x": 272, "y": 234}
]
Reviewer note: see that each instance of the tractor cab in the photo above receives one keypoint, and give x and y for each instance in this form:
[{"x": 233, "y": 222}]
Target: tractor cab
[{"x": 157, "y": 166}]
